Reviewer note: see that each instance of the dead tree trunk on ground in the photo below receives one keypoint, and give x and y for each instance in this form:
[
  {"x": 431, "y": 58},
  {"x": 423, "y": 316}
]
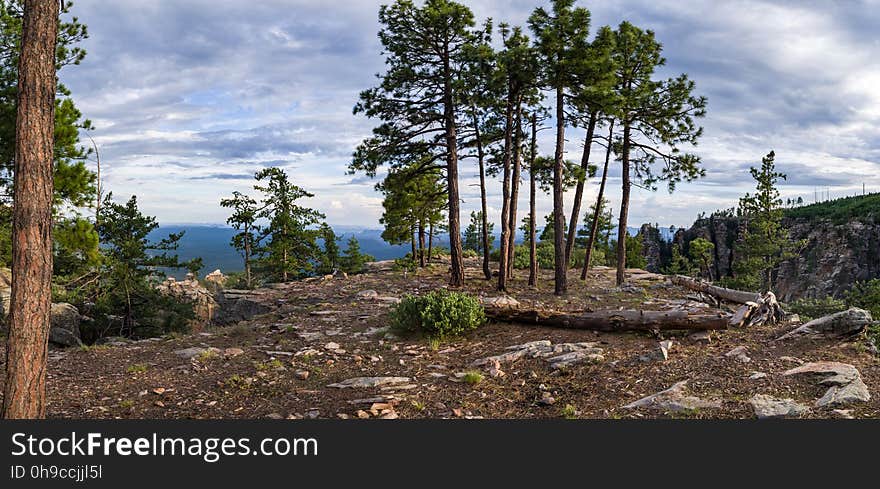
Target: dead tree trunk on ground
[{"x": 611, "y": 320}]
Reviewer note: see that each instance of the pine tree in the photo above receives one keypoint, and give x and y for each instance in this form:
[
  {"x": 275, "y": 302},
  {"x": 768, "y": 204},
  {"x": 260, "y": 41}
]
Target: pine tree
[
  {"x": 656, "y": 118},
  {"x": 329, "y": 261},
  {"x": 561, "y": 39},
  {"x": 352, "y": 260},
  {"x": 418, "y": 98},
  {"x": 702, "y": 253},
  {"x": 473, "y": 234},
  {"x": 131, "y": 261},
  {"x": 243, "y": 219},
  {"x": 291, "y": 238},
  {"x": 26, "y": 350},
  {"x": 765, "y": 243}
]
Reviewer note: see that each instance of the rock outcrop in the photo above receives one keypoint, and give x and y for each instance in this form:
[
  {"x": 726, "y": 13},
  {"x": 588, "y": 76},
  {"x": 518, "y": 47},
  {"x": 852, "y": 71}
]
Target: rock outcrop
[
  {"x": 191, "y": 291},
  {"x": 65, "y": 321}
]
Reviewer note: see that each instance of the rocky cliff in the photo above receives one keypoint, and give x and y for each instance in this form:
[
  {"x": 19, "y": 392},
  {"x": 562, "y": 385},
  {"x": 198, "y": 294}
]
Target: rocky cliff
[{"x": 838, "y": 251}]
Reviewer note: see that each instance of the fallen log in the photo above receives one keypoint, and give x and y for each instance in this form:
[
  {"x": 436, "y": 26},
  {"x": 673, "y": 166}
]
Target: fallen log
[
  {"x": 611, "y": 321},
  {"x": 731, "y": 295}
]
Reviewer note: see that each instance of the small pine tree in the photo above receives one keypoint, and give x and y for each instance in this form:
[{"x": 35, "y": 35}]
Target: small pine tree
[
  {"x": 353, "y": 260},
  {"x": 473, "y": 234},
  {"x": 702, "y": 252},
  {"x": 765, "y": 243},
  {"x": 329, "y": 260}
]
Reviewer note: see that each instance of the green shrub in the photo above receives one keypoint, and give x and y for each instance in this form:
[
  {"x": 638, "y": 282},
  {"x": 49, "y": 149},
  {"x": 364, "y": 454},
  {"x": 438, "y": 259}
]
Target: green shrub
[
  {"x": 438, "y": 314},
  {"x": 809, "y": 309},
  {"x": 865, "y": 295},
  {"x": 469, "y": 253}
]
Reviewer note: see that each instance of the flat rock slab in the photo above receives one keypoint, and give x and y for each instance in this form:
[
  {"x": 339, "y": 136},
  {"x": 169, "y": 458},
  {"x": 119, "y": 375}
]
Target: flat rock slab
[
  {"x": 559, "y": 356},
  {"x": 845, "y": 381},
  {"x": 767, "y": 407},
  {"x": 189, "y": 353},
  {"x": 367, "y": 382},
  {"x": 674, "y": 399},
  {"x": 500, "y": 301}
]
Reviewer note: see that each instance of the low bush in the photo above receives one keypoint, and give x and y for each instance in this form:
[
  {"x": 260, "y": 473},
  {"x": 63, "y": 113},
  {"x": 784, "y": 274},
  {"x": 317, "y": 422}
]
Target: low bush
[
  {"x": 438, "y": 314},
  {"x": 865, "y": 295}
]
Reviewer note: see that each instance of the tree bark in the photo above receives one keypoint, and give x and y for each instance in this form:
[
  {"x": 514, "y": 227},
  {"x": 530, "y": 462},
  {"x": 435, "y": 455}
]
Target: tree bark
[
  {"x": 624, "y": 209},
  {"x": 594, "y": 231},
  {"x": 533, "y": 249},
  {"x": 421, "y": 244},
  {"x": 730, "y": 295},
  {"x": 430, "y": 240},
  {"x": 561, "y": 279},
  {"x": 27, "y": 345},
  {"x": 612, "y": 320},
  {"x": 579, "y": 190},
  {"x": 505, "y": 195},
  {"x": 481, "y": 156},
  {"x": 456, "y": 266},
  {"x": 514, "y": 188}
]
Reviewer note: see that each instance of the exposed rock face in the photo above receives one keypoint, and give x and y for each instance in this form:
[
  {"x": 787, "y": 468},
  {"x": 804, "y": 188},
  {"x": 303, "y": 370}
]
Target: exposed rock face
[
  {"x": 238, "y": 305},
  {"x": 652, "y": 247},
  {"x": 674, "y": 399},
  {"x": 216, "y": 279},
  {"x": 191, "y": 291},
  {"x": 835, "y": 255},
  {"x": 767, "y": 407},
  {"x": 845, "y": 381},
  {"x": 845, "y": 323},
  {"x": 65, "y": 321}
]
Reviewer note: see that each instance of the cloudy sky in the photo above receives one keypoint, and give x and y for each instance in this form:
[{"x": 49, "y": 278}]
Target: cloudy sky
[{"x": 190, "y": 97}]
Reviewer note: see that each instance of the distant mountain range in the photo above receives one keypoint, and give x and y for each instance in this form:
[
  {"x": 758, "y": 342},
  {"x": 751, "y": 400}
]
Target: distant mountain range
[{"x": 211, "y": 243}]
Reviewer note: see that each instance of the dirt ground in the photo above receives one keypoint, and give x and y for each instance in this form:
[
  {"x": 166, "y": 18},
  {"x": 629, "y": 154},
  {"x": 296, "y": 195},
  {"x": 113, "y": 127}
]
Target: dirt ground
[{"x": 320, "y": 332}]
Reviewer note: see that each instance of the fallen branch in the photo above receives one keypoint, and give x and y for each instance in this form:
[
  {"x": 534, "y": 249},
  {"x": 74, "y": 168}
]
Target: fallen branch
[
  {"x": 611, "y": 320},
  {"x": 731, "y": 295}
]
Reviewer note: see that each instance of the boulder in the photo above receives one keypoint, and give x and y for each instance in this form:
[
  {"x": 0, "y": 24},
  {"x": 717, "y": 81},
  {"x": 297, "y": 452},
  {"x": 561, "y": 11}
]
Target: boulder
[
  {"x": 65, "y": 321},
  {"x": 216, "y": 279},
  {"x": 845, "y": 381},
  {"x": 842, "y": 324},
  {"x": 767, "y": 407}
]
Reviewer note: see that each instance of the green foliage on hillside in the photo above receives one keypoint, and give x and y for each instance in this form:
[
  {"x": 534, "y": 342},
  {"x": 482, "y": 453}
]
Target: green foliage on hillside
[{"x": 862, "y": 207}]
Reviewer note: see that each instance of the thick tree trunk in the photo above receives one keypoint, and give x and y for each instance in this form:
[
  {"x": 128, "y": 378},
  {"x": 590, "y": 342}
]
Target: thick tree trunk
[
  {"x": 456, "y": 266},
  {"x": 612, "y": 320},
  {"x": 624, "y": 209},
  {"x": 27, "y": 344},
  {"x": 505, "y": 196},
  {"x": 730, "y": 295},
  {"x": 579, "y": 190},
  {"x": 481, "y": 157},
  {"x": 514, "y": 191},
  {"x": 533, "y": 251},
  {"x": 594, "y": 231},
  {"x": 561, "y": 280}
]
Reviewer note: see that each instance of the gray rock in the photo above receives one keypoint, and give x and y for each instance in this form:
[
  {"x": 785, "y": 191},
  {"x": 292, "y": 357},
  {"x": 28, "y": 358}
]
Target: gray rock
[
  {"x": 673, "y": 399},
  {"x": 845, "y": 323},
  {"x": 189, "y": 353},
  {"x": 367, "y": 382},
  {"x": 65, "y": 321},
  {"x": 367, "y": 294},
  {"x": 845, "y": 381},
  {"x": 500, "y": 301},
  {"x": 559, "y": 356},
  {"x": 739, "y": 353},
  {"x": 767, "y": 407}
]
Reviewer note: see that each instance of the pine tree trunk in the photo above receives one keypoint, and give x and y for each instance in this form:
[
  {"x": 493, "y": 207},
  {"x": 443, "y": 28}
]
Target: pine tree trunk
[
  {"x": 624, "y": 209},
  {"x": 430, "y": 241},
  {"x": 247, "y": 256},
  {"x": 579, "y": 190},
  {"x": 413, "y": 249},
  {"x": 561, "y": 286},
  {"x": 27, "y": 344},
  {"x": 422, "y": 244},
  {"x": 514, "y": 192},
  {"x": 533, "y": 251},
  {"x": 456, "y": 275},
  {"x": 505, "y": 196},
  {"x": 484, "y": 205},
  {"x": 594, "y": 231}
]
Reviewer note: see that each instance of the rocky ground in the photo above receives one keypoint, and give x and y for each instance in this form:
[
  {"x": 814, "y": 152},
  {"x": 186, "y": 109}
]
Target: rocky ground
[{"x": 323, "y": 351}]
